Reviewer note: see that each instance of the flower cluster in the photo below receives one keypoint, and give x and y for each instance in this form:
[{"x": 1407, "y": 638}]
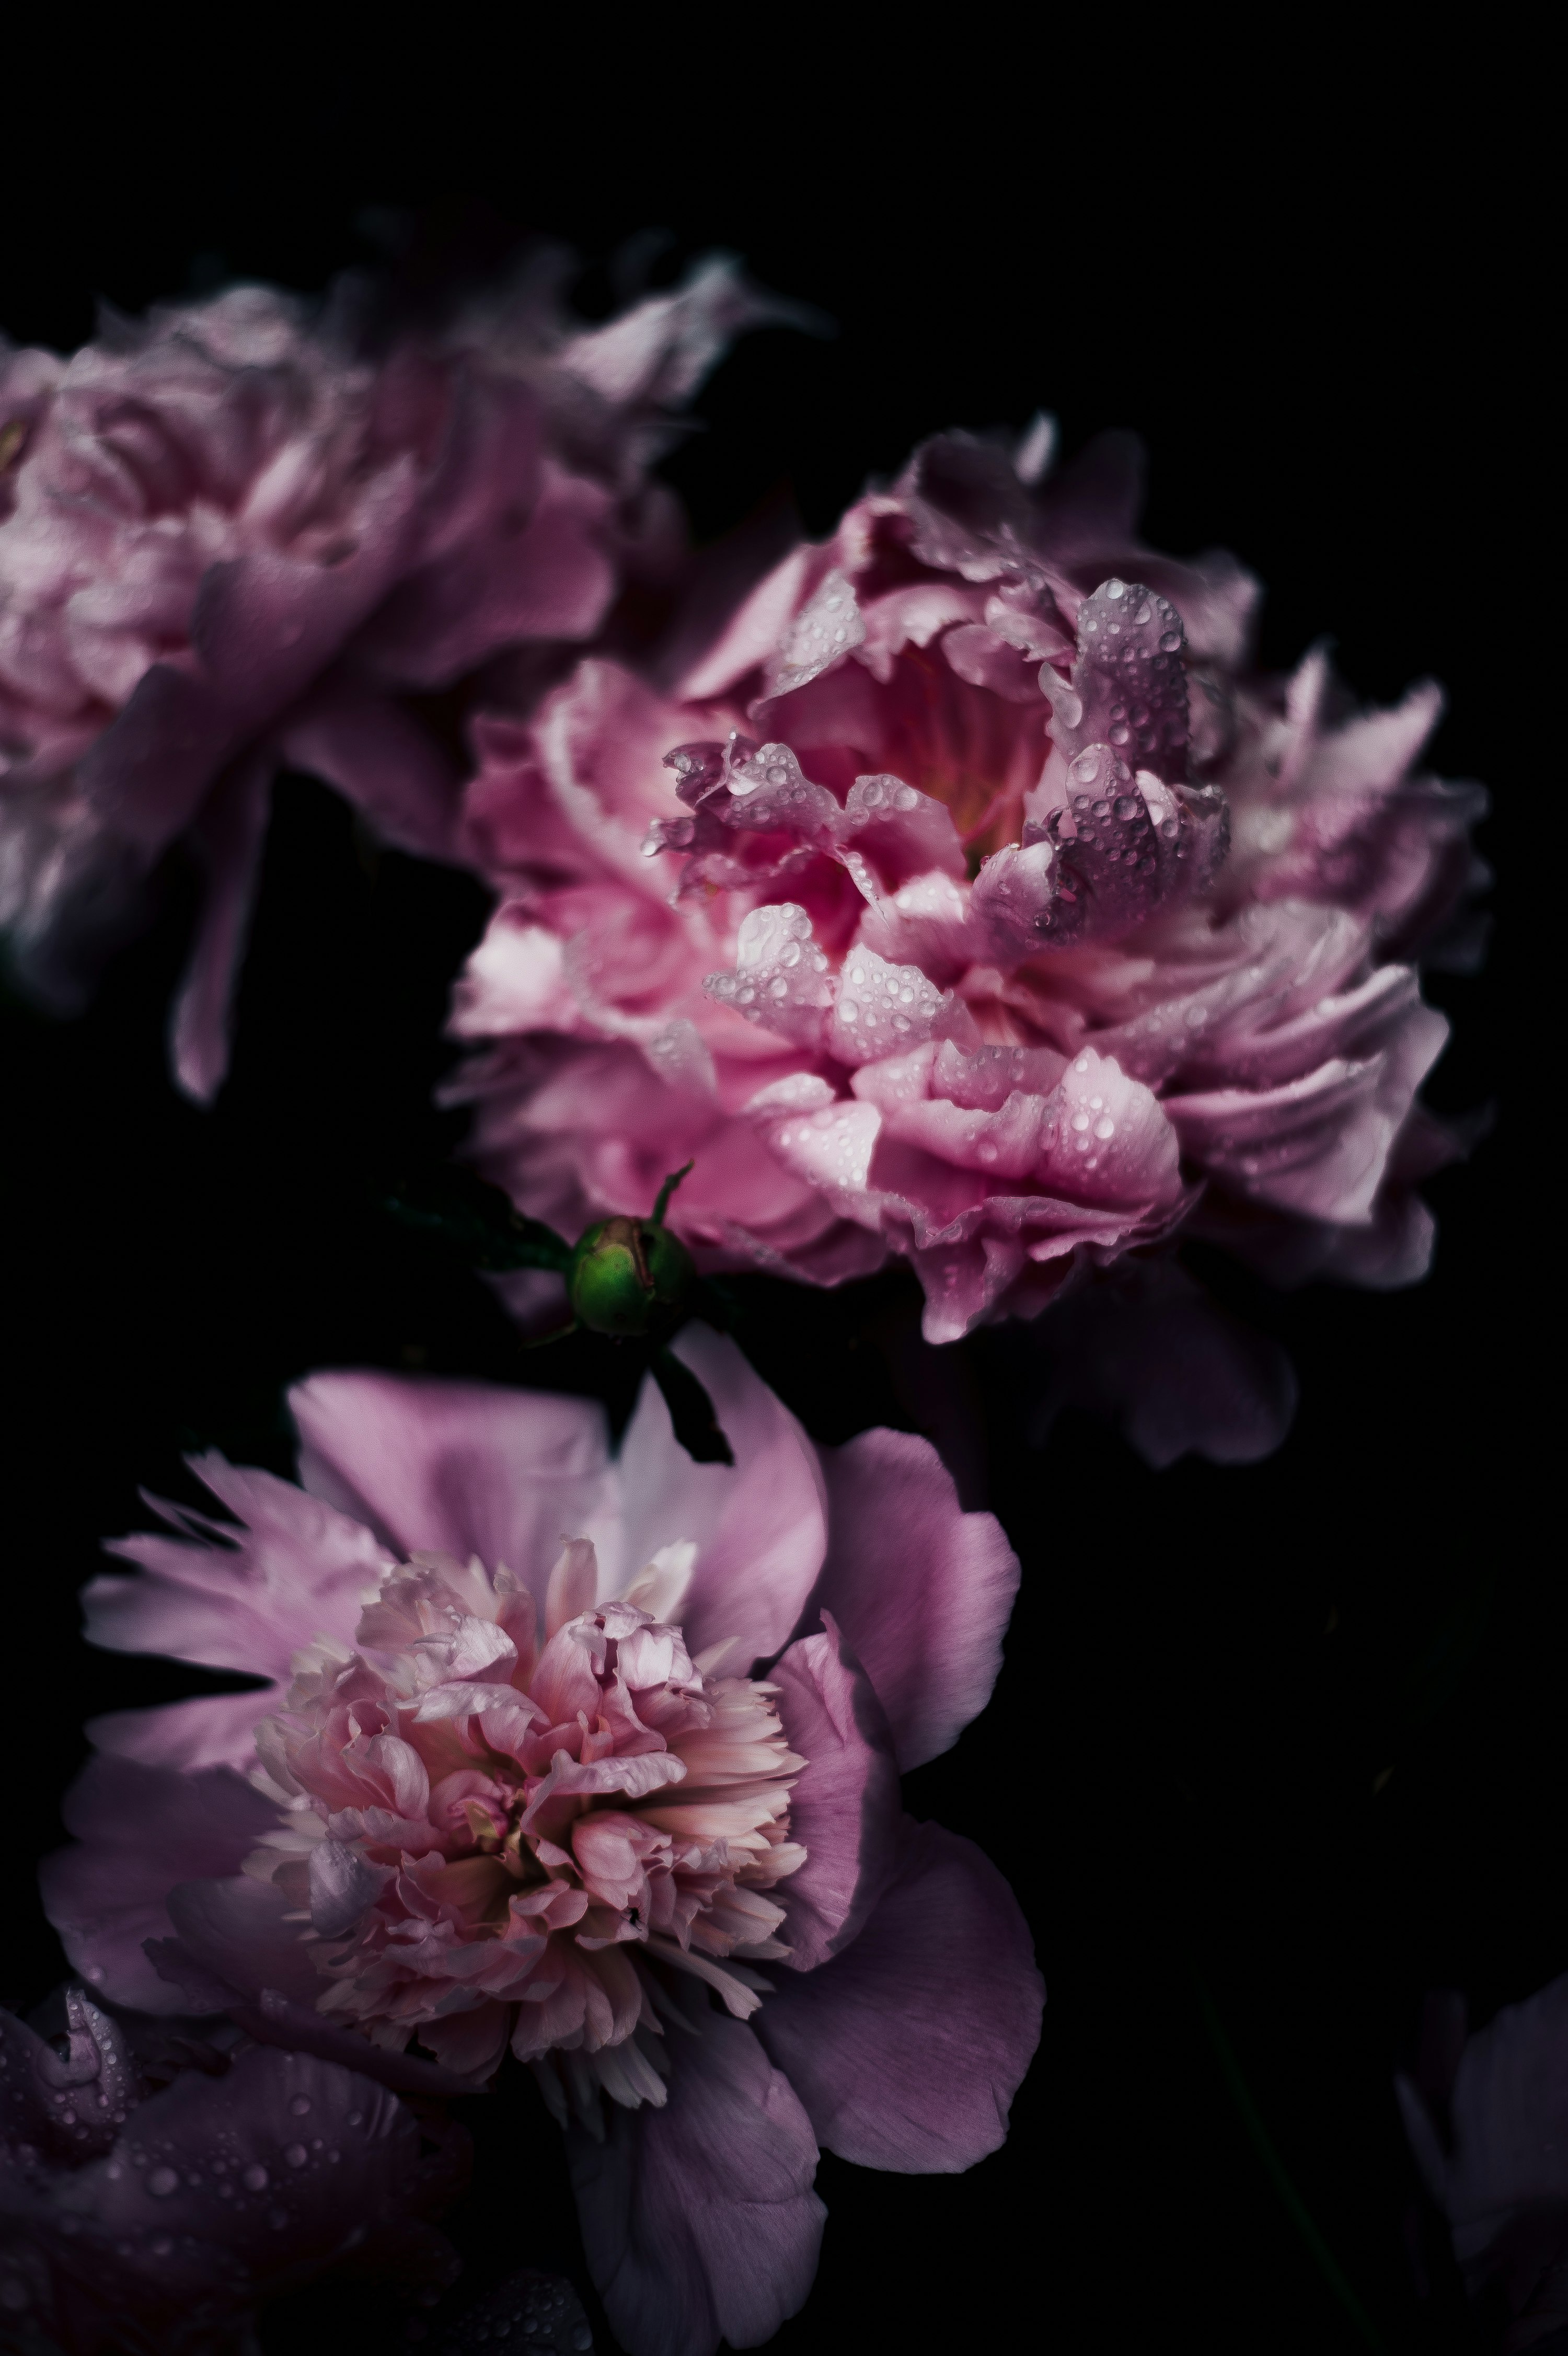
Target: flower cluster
[
  {"x": 970, "y": 898},
  {"x": 957, "y": 890},
  {"x": 629, "y": 1807},
  {"x": 243, "y": 534}
]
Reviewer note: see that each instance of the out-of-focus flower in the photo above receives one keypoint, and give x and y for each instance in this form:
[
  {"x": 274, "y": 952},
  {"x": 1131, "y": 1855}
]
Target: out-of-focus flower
[
  {"x": 1487, "y": 2121},
  {"x": 628, "y": 1806},
  {"x": 539, "y": 2312},
  {"x": 970, "y": 898},
  {"x": 155, "y": 2186},
  {"x": 247, "y": 533}
]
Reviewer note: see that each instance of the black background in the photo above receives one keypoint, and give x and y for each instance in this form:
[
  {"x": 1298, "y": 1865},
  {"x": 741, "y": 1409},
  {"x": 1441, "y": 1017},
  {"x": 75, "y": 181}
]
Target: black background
[{"x": 1309, "y": 275}]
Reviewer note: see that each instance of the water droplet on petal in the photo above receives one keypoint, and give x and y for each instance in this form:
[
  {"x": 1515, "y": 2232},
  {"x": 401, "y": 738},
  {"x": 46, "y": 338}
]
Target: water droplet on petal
[
  {"x": 162, "y": 2182},
  {"x": 255, "y": 2178}
]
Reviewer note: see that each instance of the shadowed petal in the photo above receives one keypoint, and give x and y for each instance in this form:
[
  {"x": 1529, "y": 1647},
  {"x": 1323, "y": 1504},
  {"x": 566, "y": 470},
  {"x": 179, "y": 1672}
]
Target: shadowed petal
[
  {"x": 908, "y": 2047},
  {"x": 699, "y": 2219},
  {"x": 140, "y": 1830},
  {"x": 844, "y": 1805}
]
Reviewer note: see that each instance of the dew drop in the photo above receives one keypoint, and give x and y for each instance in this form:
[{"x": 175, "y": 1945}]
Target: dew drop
[
  {"x": 1104, "y": 1129},
  {"x": 295, "y": 2154},
  {"x": 162, "y": 2182},
  {"x": 300, "y": 2105},
  {"x": 254, "y": 2178}
]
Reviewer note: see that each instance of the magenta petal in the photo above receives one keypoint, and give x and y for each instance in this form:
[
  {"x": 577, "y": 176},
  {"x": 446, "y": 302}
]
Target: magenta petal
[
  {"x": 699, "y": 2219},
  {"x": 243, "y": 1599},
  {"x": 844, "y": 1807},
  {"x": 227, "y": 839},
  {"x": 908, "y": 2047},
  {"x": 236, "y": 1928},
  {"x": 209, "y": 1730},
  {"x": 453, "y": 1468},
  {"x": 139, "y": 1830},
  {"x": 759, "y": 1526},
  {"x": 921, "y": 1589}
]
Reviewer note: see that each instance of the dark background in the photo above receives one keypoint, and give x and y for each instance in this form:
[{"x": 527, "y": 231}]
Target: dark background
[{"x": 1277, "y": 1748}]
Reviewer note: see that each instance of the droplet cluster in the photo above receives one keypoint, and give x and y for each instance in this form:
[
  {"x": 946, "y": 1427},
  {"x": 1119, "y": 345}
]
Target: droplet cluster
[
  {"x": 883, "y": 1008},
  {"x": 828, "y": 627},
  {"x": 781, "y": 977},
  {"x": 540, "y": 2315},
  {"x": 770, "y": 789},
  {"x": 1130, "y": 679}
]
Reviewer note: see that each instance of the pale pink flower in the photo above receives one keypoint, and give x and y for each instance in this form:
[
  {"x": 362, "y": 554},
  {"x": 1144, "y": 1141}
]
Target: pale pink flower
[
  {"x": 625, "y": 1803},
  {"x": 969, "y": 898},
  {"x": 241, "y": 533},
  {"x": 154, "y": 2187}
]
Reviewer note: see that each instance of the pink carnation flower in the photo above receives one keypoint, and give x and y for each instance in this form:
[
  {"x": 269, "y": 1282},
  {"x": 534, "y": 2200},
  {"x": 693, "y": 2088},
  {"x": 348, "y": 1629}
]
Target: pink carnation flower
[
  {"x": 237, "y": 535},
  {"x": 528, "y": 1794},
  {"x": 154, "y": 2188},
  {"x": 971, "y": 899}
]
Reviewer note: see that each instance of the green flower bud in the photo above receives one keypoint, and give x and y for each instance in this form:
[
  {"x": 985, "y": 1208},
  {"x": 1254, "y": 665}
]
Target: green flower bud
[{"x": 630, "y": 1278}]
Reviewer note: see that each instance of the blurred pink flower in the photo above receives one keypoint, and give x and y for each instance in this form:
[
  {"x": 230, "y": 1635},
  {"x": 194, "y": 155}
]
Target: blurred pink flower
[
  {"x": 1486, "y": 2116},
  {"x": 523, "y": 1794},
  {"x": 970, "y": 898},
  {"x": 241, "y": 533},
  {"x": 154, "y": 2188}
]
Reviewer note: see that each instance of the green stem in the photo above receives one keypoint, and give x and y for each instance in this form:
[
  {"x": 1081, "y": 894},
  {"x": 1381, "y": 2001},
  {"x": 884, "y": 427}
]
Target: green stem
[
  {"x": 1300, "y": 2215},
  {"x": 668, "y": 1189}
]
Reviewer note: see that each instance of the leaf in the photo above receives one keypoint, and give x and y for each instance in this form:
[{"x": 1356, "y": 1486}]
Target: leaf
[
  {"x": 477, "y": 1222},
  {"x": 690, "y": 1412}
]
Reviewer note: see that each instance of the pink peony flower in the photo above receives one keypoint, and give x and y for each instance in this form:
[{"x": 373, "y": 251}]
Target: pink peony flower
[
  {"x": 625, "y": 1805},
  {"x": 154, "y": 2189},
  {"x": 241, "y": 534},
  {"x": 971, "y": 899}
]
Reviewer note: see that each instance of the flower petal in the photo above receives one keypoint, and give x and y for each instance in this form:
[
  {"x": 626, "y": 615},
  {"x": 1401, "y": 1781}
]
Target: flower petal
[
  {"x": 908, "y": 2047},
  {"x": 235, "y": 1928},
  {"x": 453, "y": 1468},
  {"x": 844, "y": 1805},
  {"x": 139, "y": 1830},
  {"x": 244, "y": 1598},
  {"x": 699, "y": 2219},
  {"x": 921, "y": 1590},
  {"x": 760, "y": 1526}
]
